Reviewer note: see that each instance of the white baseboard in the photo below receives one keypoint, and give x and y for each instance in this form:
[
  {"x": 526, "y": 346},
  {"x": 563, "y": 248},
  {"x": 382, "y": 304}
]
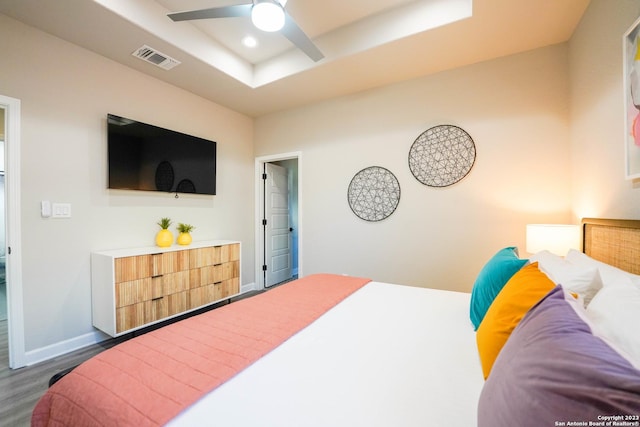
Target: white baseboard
[
  {"x": 247, "y": 287},
  {"x": 54, "y": 350}
]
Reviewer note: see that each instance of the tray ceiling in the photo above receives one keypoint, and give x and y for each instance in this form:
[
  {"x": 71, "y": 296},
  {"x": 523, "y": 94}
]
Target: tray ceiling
[{"x": 366, "y": 43}]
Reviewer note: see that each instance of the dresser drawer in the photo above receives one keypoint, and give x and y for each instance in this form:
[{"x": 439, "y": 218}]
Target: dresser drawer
[{"x": 134, "y": 288}]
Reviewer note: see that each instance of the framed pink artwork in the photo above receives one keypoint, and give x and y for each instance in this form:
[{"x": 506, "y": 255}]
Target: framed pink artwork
[{"x": 631, "y": 78}]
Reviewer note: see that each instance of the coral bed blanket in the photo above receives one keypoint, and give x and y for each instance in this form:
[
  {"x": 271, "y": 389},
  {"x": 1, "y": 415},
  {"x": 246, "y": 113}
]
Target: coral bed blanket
[{"x": 149, "y": 380}]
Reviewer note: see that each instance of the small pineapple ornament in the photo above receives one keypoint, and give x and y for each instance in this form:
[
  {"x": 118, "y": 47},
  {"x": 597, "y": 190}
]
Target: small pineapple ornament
[
  {"x": 164, "y": 238},
  {"x": 184, "y": 236}
]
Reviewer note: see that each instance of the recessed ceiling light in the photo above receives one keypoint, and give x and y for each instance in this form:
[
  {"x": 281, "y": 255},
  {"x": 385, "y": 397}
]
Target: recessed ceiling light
[{"x": 250, "y": 41}]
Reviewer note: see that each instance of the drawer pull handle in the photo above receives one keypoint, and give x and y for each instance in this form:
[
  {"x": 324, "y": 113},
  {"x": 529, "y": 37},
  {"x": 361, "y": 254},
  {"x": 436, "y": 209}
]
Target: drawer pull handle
[
  {"x": 217, "y": 283},
  {"x": 156, "y": 299},
  {"x": 156, "y": 276}
]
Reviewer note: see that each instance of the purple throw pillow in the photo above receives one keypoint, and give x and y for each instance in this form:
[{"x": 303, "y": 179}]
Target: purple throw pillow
[{"x": 553, "y": 370}]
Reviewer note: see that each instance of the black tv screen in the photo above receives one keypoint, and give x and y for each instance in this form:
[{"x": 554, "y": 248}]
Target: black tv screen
[{"x": 150, "y": 158}]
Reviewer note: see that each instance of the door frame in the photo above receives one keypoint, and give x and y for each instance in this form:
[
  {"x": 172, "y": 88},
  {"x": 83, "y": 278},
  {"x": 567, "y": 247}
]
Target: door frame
[
  {"x": 13, "y": 227},
  {"x": 259, "y": 203}
]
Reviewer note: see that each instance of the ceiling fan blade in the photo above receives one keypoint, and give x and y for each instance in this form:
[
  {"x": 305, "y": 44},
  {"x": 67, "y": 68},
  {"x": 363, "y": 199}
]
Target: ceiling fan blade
[
  {"x": 294, "y": 33},
  {"x": 214, "y": 12}
]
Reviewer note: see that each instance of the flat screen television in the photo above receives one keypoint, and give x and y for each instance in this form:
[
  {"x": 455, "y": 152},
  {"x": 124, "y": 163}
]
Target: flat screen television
[{"x": 150, "y": 158}]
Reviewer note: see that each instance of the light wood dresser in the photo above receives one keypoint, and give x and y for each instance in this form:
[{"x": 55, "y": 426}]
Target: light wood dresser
[{"x": 135, "y": 288}]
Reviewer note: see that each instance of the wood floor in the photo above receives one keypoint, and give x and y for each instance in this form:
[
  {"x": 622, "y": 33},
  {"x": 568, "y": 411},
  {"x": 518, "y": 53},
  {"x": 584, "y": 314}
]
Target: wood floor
[{"x": 20, "y": 389}]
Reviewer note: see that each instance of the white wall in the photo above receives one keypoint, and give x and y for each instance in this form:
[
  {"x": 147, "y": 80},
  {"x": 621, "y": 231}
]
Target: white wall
[
  {"x": 66, "y": 93},
  {"x": 597, "y": 113},
  {"x": 516, "y": 110}
]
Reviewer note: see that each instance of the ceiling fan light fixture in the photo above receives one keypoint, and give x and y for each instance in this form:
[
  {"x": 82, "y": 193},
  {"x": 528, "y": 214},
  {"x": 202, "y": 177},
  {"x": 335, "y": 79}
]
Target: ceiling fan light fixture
[{"x": 268, "y": 15}]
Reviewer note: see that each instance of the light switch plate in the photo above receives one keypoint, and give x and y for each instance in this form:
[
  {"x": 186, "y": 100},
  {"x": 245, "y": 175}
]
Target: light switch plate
[
  {"x": 61, "y": 210},
  {"x": 45, "y": 209}
]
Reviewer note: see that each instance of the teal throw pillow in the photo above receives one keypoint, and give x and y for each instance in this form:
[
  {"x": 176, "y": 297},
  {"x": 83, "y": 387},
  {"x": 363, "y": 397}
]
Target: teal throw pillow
[{"x": 493, "y": 276}]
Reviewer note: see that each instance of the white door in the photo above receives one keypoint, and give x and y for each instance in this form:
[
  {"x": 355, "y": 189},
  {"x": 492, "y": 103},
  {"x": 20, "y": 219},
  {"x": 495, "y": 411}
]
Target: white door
[{"x": 277, "y": 230}]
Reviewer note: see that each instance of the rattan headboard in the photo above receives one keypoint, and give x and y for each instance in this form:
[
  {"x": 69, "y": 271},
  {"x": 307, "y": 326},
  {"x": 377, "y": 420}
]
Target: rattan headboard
[{"x": 614, "y": 241}]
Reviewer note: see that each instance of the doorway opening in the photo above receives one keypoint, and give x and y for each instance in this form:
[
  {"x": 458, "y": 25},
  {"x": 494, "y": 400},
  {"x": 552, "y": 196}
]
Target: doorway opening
[
  {"x": 4, "y": 330},
  {"x": 11, "y": 232},
  {"x": 278, "y": 231}
]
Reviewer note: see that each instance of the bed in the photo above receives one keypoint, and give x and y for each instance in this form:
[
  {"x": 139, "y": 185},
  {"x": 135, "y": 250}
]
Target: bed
[{"x": 347, "y": 351}]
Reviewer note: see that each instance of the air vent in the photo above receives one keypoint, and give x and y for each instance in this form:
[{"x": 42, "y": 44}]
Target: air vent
[{"x": 159, "y": 59}]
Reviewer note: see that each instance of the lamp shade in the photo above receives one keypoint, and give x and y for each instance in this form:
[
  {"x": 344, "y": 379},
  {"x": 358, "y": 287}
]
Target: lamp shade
[
  {"x": 555, "y": 238},
  {"x": 268, "y": 15}
]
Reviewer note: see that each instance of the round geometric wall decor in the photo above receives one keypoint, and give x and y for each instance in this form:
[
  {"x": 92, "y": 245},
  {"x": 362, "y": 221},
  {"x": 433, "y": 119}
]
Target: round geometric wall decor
[
  {"x": 374, "y": 193},
  {"x": 186, "y": 186},
  {"x": 164, "y": 176},
  {"x": 442, "y": 156}
]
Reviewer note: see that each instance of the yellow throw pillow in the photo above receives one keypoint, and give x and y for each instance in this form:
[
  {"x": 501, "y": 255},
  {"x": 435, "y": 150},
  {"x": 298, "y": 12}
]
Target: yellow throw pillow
[{"x": 524, "y": 290}]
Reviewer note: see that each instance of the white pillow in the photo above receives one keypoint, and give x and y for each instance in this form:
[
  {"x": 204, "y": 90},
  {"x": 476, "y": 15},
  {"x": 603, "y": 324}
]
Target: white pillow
[
  {"x": 614, "y": 315},
  {"x": 583, "y": 280},
  {"x": 609, "y": 274}
]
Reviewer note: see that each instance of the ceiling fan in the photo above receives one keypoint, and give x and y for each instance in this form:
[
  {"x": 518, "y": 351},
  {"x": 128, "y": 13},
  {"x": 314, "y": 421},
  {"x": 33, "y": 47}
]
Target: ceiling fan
[{"x": 267, "y": 15}]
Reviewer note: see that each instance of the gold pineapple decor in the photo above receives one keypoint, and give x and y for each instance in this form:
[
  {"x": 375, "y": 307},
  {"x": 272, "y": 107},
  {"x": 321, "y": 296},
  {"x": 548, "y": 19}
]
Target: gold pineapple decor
[
  {"x": 184, "y": 236},
  {"x": 164, "y": 237}
]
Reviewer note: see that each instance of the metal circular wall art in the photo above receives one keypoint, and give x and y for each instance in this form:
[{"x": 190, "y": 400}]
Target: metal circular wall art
[
  {"x": 164, "y": 176},
  {"x": 186, "y": 186},
  {"x": 442, "y": 156},
  {"x": 374, "y": 193}
]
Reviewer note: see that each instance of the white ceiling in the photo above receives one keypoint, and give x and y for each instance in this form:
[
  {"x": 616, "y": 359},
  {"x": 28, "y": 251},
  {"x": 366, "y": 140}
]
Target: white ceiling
[{"x": 366, "y": 43}]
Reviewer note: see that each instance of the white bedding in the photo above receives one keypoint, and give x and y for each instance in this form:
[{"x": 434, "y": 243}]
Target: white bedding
[{"x": 388, "y": 355}]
